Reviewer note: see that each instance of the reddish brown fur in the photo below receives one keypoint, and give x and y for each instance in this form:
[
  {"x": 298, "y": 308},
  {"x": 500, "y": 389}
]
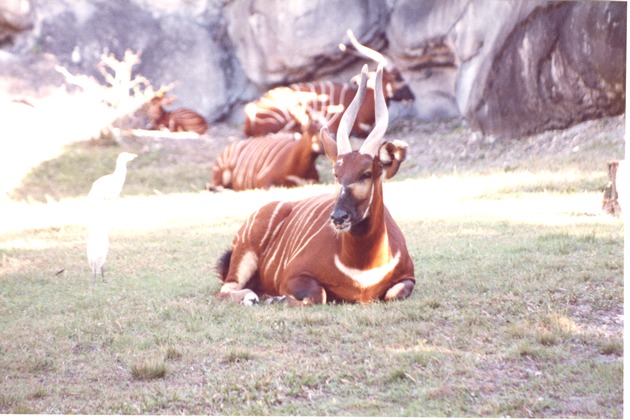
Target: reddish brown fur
[
  {"x": 262, "y": 162},
  {"x": 276, "y": 109},
  {"x": 266, "y": 116},
  {"x": 293, "y": 249},
  {"x": 181, "y": 119},
  {"x": 282, "y": 108}
]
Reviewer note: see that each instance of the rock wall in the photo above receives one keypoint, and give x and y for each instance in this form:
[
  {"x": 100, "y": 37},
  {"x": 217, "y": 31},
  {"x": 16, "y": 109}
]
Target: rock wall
[
  {"x": 510, "y": 68},
  {"x": 279, "y": 42},
  {"x": 15, "y": 16},
  {"x": 560, "y": 66}
]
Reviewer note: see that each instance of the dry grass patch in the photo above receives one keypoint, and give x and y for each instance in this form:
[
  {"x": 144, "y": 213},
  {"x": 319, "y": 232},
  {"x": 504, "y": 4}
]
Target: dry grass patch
[
  {"x": 149, "y": 370},
  {"x": 238, "y": 355}
]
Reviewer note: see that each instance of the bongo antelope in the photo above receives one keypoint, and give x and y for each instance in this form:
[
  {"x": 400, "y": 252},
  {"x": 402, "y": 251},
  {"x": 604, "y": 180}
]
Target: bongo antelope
[
  {"x": 275, "y": 110},
  {"x": 279, "y": 159},
  {"x": 181, "y": 119},
  {"x": 343, "y": 246}
]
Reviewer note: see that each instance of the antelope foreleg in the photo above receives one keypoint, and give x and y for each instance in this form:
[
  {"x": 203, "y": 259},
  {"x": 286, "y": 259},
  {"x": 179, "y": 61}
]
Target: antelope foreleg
[
  {"x": 304, "y": 290},
  {"x": 232, "y": 291},
  {"x": 400, "y": 290}
]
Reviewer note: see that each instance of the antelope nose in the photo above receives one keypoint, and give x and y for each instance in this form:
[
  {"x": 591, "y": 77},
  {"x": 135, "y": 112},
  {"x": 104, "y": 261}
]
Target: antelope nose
[{"x": 339, "y": 217}]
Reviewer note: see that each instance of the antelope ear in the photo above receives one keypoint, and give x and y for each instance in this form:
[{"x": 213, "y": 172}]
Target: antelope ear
[
  {"x": 330, "y": 146},
  {"x": 168, "y": 100},
  {"x": 391, "y": 155}
]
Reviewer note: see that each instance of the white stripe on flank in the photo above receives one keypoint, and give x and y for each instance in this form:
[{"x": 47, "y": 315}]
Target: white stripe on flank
[
  {"x": 367, "y": 278},
  {"x": 249, "y": 226},
  {"x": 271, "y": 222},
  {"x": 281, "y": 264},
  {"x": 273, "y": 155},
  {"x": 306, "y": 241}
]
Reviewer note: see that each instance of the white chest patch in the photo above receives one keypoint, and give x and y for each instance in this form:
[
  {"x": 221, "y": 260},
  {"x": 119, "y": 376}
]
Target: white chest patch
[{"x": 367, "y": 278}]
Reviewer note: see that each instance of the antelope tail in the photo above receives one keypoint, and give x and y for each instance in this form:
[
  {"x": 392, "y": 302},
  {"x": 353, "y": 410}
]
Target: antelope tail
[{"x": 223, "y": 264}]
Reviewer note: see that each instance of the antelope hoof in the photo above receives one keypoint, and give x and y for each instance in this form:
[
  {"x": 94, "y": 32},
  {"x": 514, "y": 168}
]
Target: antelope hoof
[
  {"x": 400, "y": 290},
  {"x": 250, "y": 299},
  {"x": 214, "y": 188},
  {"x": 272, "y": 300}
]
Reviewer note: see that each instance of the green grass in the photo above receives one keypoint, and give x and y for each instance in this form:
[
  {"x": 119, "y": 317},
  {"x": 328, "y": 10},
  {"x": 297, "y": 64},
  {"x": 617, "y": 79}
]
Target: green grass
[
  {"x": 516, "y": 310},
  {"x": 150, "y": 173}
]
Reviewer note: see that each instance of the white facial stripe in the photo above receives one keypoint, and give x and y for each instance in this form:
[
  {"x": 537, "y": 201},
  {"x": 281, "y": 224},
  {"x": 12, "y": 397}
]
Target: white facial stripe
[
  {"x": 367, "y": 278},
  {"x": 367, "y": 209}
]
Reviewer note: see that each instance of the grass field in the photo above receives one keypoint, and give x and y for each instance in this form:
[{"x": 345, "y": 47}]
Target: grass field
[{"x": 517, "y": 310}]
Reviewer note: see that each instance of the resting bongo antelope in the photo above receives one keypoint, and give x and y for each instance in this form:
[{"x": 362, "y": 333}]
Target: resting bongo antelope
[
  {"x": 181, "y": 119},
  {"x": 275, "y": 110},
  {"x": 281, "y": 159},
  {"x": 338, "y": 247}
]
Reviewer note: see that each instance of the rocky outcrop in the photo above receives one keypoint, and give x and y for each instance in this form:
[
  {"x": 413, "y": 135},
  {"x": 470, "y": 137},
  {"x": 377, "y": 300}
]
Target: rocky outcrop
[
  {"x": 177, "y": 45},
  {"x": 280, "y": 42},
  {"x": 513, "y": 68},
  {"x": 510, "y": 68},
  {"x": 15, "y": 16},
  {"x": 560, "y": 66}
]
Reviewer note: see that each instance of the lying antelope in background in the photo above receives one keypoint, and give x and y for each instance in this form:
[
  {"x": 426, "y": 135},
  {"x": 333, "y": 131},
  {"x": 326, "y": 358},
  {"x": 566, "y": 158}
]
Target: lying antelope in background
[
  {"x": 281, "y": 159},
  {"x": 181, "y": 119},
  {"x": 338, "y": 247},
  {"x": 275, "y": 110}
]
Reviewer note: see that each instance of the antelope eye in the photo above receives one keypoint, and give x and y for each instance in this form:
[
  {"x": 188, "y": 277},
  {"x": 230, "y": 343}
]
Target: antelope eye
[{"x": 366, "y": 175}]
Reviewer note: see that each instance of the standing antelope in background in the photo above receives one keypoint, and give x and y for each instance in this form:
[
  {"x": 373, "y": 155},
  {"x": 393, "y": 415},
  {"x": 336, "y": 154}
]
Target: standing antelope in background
[
  {"x": 337, "y": 247},
  {"x": 181, "y": 119},
  {"x": 275, "y": 110},
  {"x": 282, "y": 159}
]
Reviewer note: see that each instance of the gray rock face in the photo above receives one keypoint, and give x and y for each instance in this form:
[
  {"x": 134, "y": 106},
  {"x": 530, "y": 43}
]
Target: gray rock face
[
  {"x": 282, "y": 42},
  {"x": 510, "y": 68},
  {"x": 15, "y": 16},
  {"x": 175, "y": 47},
  {"x": 420, "y": 42},
  {"x": 561, "y": 66}
]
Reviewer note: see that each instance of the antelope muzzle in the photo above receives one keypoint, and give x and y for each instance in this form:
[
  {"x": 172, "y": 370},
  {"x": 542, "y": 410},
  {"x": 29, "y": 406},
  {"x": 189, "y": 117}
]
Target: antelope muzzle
[{"x": 344, "y": 212}]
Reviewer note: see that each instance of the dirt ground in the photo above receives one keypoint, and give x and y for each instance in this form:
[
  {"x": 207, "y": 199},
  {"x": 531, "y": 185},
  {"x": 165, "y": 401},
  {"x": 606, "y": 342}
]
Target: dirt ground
[{"x": 434, "y": 147}]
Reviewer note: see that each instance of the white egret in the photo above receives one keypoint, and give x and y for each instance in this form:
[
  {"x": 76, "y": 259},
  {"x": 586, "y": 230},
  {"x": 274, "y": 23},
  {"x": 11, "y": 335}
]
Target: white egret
[
  {"x": 104, "y": 190},
  {"x": 97, "y": 247},
  {"x": 109, "y": 186}
]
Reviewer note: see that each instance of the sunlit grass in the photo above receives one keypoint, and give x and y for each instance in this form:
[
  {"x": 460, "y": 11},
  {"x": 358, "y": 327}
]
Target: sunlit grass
[
  {"x": 498, "y": 295},
  {"x": 517, "y": 310}
]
